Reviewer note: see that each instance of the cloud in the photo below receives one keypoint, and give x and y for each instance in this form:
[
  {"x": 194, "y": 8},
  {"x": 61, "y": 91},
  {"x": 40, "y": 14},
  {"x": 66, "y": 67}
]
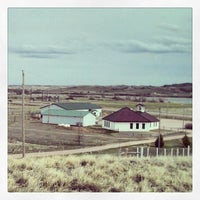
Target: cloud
[
  {"x": 169, "y": 40},
  {"x": 31, "y": 51},
  {"x": 159, "y": 45},
  {"x": 169, "y": 27}
]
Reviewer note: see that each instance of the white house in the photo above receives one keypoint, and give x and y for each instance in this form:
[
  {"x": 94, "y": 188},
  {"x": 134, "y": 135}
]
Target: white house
[
  {"x": 126, "y": 119},
  {"x": 84, "y": 114}
]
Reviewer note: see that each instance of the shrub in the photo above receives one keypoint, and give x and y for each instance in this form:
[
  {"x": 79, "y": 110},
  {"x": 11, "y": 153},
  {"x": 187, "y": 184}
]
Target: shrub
[
  {"x": 188, "y": 126},
  {"x": 159, "y": 141},
  {"x": 186, "y": 141}
]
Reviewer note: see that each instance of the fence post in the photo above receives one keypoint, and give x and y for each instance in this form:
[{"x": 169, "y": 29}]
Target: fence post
[
  {"x": 177, "y": 152},
  {"x": 126, "y": 153},
  {"x": 172, "y": 151},
  {"x": 138, "y": 152},
  {"x": 183, "y": 151},
  {"x": 119, "y": 152},
  {"x": 165, "y": 152},
  {"x": 157, "y": 152},
  {"x": 142, "y": 152},
  {"x": 188, "y": 151},
  {"x": 147, "y": 151}
]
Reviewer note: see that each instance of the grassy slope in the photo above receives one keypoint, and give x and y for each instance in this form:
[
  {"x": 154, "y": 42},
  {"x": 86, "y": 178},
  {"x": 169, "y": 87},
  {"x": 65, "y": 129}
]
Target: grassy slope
[{"x": 100, "y": 173}]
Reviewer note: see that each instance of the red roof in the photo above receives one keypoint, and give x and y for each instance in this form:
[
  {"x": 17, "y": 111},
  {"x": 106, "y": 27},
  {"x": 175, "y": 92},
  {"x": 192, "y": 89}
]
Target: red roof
[{"x": 127, "y": 115}]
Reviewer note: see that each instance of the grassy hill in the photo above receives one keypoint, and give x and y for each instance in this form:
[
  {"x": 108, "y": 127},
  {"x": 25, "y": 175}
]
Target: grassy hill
[
  {"x": 100, "y": 173},
  {"x": 173, "y": 90}
]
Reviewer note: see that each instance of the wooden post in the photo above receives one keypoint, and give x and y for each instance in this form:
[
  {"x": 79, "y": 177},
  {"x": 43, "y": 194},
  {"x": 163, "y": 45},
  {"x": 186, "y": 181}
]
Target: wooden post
[
  {"x": 159, "y": 129},
  {"x": 188, "y": 151},
  {"x": 147, "y": 151},
  {"x": 23, "y": 132},
  {"x": 126, "y": 153},
  {"x": 165, "y": 152},
  {"x": 183, "y": 151},
  {"x": 138, "y": 152},
  {"x": 119, "y": 152},
  {"x": 177, "y": 152},
  {"x": 157, "y": 152},
  {"x": 142, "y": 152},
  {"x": 172, "y": 151}
]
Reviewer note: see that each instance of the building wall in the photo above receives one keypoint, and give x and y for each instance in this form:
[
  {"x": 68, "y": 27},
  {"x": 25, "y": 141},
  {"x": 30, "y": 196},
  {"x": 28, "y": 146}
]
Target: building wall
[
  {"x": 61, "y": 120},
  {"x": 126, "y": 126},
  {"x": 154, "y": 125},
  {"x": 98, "y": 112},
  {"x": 87, "y": 120}
]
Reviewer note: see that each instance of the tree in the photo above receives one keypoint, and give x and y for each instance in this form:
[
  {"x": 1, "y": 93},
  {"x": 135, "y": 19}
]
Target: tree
[
  {"x": 188, "y": 126},
  {"x": 186, "y": 141},
  {"x": 159, "y": 141}
]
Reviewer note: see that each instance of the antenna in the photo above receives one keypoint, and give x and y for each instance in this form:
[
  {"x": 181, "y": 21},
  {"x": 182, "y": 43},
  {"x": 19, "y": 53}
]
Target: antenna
[{"x": 23, "y": 131}]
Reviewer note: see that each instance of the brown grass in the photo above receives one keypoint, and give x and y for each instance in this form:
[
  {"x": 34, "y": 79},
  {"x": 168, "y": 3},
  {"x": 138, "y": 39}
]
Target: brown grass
[{"x": 100, "y": 173}]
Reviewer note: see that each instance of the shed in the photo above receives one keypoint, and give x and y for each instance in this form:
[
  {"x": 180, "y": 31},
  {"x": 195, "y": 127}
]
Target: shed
[{"x": 76, "y": 118}]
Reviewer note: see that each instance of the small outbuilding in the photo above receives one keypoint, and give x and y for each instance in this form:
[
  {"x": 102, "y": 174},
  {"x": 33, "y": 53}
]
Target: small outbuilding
[
  {"x": 80, "y": 114},
  {"x": 128, "y": 120}
]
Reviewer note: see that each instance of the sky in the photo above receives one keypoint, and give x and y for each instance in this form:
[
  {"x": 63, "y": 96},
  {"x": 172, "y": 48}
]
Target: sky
[{"x": 99, "y": 46}]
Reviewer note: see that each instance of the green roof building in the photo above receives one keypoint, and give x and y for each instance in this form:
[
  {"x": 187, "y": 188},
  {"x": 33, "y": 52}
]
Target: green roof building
[{"x": 84, "y": 114}]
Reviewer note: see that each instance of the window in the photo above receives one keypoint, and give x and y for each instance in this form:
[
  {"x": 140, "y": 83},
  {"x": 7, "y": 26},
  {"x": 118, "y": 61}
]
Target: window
[
  {"x": 143, "y": 126},
  {"x": 106, "y": 124},
  {"x": 137, "y": 126},
  {"x": 131, "y": 125}
]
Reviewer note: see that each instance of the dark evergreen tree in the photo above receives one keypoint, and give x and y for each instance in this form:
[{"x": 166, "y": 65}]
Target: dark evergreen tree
[
  {"x": 159, "y": 141},
  {"x": 186, "y": 141}
]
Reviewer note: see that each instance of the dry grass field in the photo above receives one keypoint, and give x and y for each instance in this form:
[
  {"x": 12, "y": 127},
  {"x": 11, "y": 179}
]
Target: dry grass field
[{"x": 100, "y": 173}]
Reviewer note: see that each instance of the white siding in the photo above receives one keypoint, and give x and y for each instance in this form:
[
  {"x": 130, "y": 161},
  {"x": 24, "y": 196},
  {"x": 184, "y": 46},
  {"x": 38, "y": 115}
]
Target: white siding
[
  {"x": 125, "y": 126},
  {"x": 98, "y": 112},
  {"x": 61, "y": 120},
  {"x": 154, "y": 125},
  {"x": 89, "y": 120}
]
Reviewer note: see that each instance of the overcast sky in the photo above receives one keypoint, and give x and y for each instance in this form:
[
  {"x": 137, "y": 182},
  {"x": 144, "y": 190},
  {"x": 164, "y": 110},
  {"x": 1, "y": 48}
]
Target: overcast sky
[{"x": 100, "y": 46}]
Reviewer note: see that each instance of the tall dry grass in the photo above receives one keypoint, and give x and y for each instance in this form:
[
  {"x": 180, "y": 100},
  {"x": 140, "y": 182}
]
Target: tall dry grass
[{"x": 100, "y": 173}]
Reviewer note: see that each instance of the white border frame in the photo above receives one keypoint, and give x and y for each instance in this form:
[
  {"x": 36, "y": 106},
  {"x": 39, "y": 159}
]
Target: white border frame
[{"x": 5, "y": 4}]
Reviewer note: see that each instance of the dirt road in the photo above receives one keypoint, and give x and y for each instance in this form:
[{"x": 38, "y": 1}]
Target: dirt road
[
  {"x": 95, "y": 148},
  {"x": 173, "y": 124}
]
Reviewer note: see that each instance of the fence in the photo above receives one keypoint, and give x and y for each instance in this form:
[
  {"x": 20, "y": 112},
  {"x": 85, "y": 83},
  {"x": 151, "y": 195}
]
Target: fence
[{"x": 152, "y": 152}]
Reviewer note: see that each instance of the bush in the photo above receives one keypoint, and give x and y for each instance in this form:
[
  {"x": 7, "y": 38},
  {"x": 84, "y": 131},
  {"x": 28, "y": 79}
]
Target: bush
[
  {"x": 186, "y": 141},
  {"x": 159, "y": 141},
  {"x": 188, "y": 126}
]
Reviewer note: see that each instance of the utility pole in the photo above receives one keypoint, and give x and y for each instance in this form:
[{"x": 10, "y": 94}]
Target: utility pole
[
  {"x": 183, "y": 117},
  {"x": 159, "y": 130},
  {"x": 23, "y": 131}
]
